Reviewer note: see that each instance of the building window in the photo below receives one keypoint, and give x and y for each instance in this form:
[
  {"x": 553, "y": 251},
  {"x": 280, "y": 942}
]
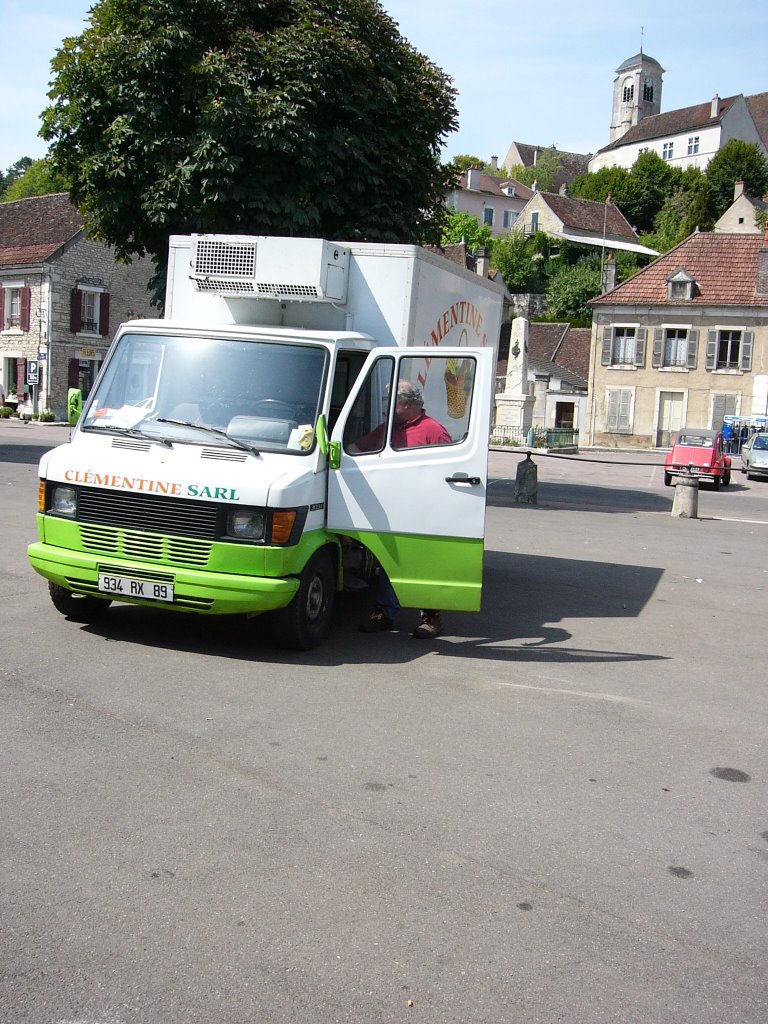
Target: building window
[
  {"x": 509, "y": 218},
  {"x": 675, "y": 347},
  {"x": 729, "y": 350},
  {"x": 628, "y": 92},
  {"x": 89, "y": 311},
  {"x": 648, "y": 90},
  {"x": 679, "y": 289},
  {"x": 14, "y": 307},
  {"x": 618, "y": 410},
  {"x": 488, "y": 216},
  {"x": 693, "y": 145},
  {"x": 623, "y": 346},
  {"x": 534, "y": 222},
  {"x": 667, "y": 150}
]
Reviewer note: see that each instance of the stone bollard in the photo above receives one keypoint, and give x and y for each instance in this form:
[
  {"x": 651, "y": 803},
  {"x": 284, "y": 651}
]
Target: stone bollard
[
  {"x": 527, "y": 481},
  {"x": 686, "y": 501}
]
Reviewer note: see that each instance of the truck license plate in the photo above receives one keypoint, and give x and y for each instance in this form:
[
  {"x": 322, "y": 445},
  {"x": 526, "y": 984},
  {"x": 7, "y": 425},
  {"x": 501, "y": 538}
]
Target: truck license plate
[{"x": 125, "y": 586}]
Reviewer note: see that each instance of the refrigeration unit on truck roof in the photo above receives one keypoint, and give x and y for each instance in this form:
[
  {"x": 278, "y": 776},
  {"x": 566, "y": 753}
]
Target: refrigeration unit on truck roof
[{"x": 288, "y": 269}]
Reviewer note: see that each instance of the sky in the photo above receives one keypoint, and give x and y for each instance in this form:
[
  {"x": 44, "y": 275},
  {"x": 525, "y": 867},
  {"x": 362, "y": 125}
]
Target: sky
[{"x": 539, "y": 74}]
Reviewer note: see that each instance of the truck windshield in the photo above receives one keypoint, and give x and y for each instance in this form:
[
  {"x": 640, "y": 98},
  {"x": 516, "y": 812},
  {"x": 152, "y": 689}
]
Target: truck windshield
[{"x": 262, "y": 395}]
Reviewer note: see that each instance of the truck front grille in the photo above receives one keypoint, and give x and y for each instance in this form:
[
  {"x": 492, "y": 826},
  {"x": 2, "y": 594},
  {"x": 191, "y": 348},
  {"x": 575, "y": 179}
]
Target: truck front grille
[
  {"x": 150, "y": 513},
  {"x": 146, "y": 547}
]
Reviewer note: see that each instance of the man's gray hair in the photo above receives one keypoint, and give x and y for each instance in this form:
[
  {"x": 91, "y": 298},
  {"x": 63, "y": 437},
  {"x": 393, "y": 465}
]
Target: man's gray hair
[{"x": 408, "y": 392}]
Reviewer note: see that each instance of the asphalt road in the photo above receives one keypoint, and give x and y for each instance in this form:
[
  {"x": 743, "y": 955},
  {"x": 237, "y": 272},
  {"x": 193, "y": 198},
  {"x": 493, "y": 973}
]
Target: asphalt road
[{"x": 556, "y": 812}]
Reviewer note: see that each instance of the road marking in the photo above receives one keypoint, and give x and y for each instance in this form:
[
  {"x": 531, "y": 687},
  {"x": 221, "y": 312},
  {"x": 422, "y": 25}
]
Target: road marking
[{"x": 588, "y": 694}]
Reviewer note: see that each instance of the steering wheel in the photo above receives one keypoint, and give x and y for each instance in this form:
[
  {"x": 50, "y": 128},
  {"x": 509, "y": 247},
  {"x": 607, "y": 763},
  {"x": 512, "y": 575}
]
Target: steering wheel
[{"x": 275, "y": 408}]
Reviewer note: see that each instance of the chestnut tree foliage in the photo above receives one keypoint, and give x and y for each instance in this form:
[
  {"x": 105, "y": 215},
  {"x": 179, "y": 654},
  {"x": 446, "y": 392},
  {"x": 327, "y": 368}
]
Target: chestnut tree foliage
[{"x": 287, "y": 117}]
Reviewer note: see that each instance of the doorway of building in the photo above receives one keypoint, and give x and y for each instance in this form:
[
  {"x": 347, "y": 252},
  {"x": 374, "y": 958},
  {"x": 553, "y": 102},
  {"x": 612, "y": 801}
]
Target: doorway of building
[
  {"x": 670, "y": 418},
  {"x": 564, "y": 415}
]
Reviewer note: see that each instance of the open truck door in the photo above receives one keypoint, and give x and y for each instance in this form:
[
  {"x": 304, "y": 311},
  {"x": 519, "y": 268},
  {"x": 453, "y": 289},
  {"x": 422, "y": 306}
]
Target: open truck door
[{"x": 419, "y": 509}]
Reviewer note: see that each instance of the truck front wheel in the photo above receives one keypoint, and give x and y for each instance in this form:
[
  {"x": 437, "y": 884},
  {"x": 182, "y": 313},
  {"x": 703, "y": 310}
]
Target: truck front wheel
[
  {"x": 79, "y": 607},
  {"x": 305, "y": 622}
]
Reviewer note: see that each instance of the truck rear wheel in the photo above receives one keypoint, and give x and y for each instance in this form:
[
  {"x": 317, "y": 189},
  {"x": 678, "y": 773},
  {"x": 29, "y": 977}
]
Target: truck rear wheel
[
  {"x": 79, "y": 607},
  {"x": 305, "y": 622}
]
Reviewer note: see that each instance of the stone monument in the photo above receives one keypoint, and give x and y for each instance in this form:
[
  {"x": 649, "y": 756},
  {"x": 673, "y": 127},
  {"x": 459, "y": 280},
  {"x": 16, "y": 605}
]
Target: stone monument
[{"x": 514, "y": 405}]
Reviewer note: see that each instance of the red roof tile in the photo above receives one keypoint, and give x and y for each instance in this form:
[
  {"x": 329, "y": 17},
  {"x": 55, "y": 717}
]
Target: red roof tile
[
  {"x": 33, "y": 229},
  {"x": 724, "y": 267},
  {"x": 590, "y": 216}
]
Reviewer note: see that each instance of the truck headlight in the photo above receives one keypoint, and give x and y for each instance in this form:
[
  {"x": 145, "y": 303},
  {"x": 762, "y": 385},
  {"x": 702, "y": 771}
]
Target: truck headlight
[
  {"x": 64, "y": 501},
  {"x": 246, "y": 525}
]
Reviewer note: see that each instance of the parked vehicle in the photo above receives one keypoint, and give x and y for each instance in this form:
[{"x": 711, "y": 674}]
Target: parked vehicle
[
  {"x": 698, "y": 452},
  {"x": 754, "y": 456},
  {"x": 214, "y": 469}
]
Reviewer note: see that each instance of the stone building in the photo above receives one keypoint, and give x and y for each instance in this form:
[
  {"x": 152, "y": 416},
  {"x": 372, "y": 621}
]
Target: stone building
[
  {"x": 61, "y": 298},
  {"x": 683, "y": 343}
]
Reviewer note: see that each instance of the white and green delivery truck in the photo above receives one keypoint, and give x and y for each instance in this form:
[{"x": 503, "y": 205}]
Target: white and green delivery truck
[{"x": 214, "y": 468}]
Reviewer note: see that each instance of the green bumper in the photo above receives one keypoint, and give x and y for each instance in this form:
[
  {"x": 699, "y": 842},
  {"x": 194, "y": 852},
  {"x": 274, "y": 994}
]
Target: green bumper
[{"x": 223, "y": 579}]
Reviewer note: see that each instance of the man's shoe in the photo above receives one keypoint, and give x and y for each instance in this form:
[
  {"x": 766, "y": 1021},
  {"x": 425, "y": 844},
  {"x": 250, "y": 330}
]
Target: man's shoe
[
  {"x": 429, "y": 627},
  {"x": 377, "y": 622}
]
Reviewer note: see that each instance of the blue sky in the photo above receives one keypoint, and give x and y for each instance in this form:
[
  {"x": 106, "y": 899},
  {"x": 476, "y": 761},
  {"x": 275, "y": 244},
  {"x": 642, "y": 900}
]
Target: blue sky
[{"x": 539, "y": 74}]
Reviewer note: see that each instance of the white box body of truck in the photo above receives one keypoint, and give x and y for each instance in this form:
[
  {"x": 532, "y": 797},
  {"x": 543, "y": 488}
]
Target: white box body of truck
[{"x": 231, "y": 453}]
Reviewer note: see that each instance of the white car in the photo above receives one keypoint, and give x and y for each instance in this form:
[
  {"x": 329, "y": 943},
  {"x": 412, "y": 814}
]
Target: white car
[{"x": 754, "y": 456}]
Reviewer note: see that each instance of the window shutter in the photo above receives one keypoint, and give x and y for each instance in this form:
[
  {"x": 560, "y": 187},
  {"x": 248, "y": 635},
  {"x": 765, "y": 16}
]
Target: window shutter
[
  {"x": 745, "y": 362},
  {"x": 73, "y": 373},
  {"x": 26, "y": 302},
  {"x": 625, "y": 406},
  {"x": 75, "y": 310},
  {"x": 2, "y": 309},
  {"x": 657, "y": 356},
  {"x": 612, "y": 412},
  {"x": 640, "y": 339},
  {"x": 693, "y": 345},
  {"x": 104, "y": 314},
  {"x": 711, "y": 350},
  {"x": 21, "y": 376},
  {"x": 605, "y": 359}
]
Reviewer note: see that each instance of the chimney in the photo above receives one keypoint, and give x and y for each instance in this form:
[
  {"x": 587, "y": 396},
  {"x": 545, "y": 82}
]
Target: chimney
[
  {"x": 608, "y": 274},
  {"x": 738, "y": 189},
  {"x": 473, "y": 178},
  {"x": 715, "y": 108},
  {"x": 535, "y": 186},
  {"x": 563, "y": 189},
  {"x": 483, "y": 262},
  {"x": 495, "y": 163},
  {"x": 761, "y": 284}
]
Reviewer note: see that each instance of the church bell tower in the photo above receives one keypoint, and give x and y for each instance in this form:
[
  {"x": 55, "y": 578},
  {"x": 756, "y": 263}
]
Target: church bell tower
[{"x": 636, "y": 93}]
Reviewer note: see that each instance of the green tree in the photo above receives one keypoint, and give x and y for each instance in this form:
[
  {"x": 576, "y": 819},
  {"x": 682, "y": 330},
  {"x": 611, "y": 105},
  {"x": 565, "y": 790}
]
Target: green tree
[
  {"x": 608, "y": 181},
  {"x": 462, "y": 226},
  {"x": 37, "y": 180},
  {"x": 13, "y": 172},
  {"x": 517, "y": 259},
  {"x": 304, "y": 117},
  {"x": 464, "y": 161},
  {"x": 544, "y": 173},
  {"x": 736, "y": 161},
  {"x": 569, "y": 290}
]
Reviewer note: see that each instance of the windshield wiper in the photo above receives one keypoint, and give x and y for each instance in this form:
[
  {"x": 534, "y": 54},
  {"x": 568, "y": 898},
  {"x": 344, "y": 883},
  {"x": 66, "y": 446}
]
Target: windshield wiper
[
  {"x": 129, "y": 432},
  {"x": 211, "y": 430}
]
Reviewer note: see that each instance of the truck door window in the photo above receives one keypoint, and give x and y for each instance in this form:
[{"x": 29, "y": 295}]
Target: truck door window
[
  {"x": 367, "y": 426},
  {"x": 446, "y": 386},
  {"x": 346, "y": 372}
]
